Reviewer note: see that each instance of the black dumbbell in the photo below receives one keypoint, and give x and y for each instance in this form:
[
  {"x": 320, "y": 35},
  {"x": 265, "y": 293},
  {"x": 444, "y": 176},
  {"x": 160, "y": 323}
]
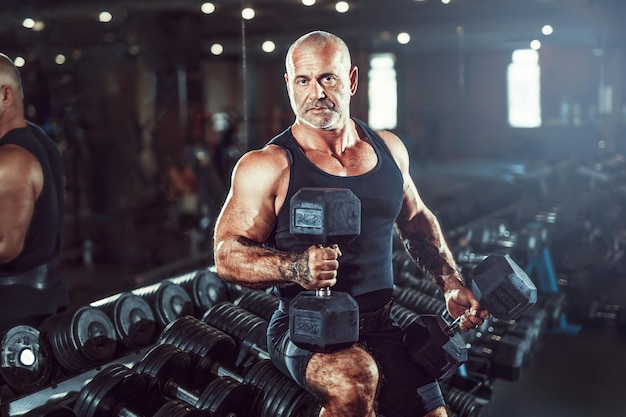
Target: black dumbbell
[
  {"x": 321, "y": 320},
  {"x": 258, "y": 302},
  {"x": 593, "y": 313},
  {"x": 499, "y": 357},
  {"x": 167, "y": 370},
  {"x": 27, "y": 363},
  {"x": 118, "y": 391},
  {"x": 132, "y": 317},
  {"x": 80, "y": 339},
  {"x": 204, "y": 286},
  {"x": 502, "y": 287},
  {"x": 212, "y": 353},
  {"x": 168, "y": 301},
  {"x": 247, "y": 329}
]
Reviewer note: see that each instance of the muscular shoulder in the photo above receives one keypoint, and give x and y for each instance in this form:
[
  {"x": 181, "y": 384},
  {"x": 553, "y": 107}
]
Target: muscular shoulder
[
  {"x": 265, "y": 169},
  {"x": 396, "y": 147},
  {"x": 15, "y": 160}
]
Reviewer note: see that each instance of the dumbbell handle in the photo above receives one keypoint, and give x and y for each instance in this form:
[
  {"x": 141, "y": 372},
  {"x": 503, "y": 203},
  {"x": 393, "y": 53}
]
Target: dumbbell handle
[
  {"x": 454, "y": 326},
  {"x": 323, "y": 292},
  {"x": 173, "y": 390}
]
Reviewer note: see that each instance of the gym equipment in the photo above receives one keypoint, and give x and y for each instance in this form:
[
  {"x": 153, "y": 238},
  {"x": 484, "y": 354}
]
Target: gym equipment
[
  {"x": 258, "y": 302},
  {"x": 501, "y": 286},
  {"x": 80, "y": 339},
  {"x": 167, "y": 369},
  {"x": 275, "y": 394},
  {"x": 205, "y": 345},
  {"x": 463, "y": 403},
  {"x": 205, "y": 287},
  {"x": 27, "y": 363},
  {"x": 177, "y": 408},
  {"x": 115, "y": 391},
  {"x": 500, "y": 357},
  {"x": 168, "y": 300},
  {"x": 248, "y": 330},
  {"x": 321, "y": 320},
  {"x": 594, "y": 313},
  {"x": 132, "y": 317},
  {"x": 419, "y": 302}
]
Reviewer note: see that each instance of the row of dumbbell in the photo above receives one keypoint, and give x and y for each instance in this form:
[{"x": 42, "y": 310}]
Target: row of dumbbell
[{"x": 71, "y": 342}]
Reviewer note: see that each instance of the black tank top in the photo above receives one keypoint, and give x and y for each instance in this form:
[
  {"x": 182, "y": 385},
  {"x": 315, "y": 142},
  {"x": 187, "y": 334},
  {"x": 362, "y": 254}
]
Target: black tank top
[
  {"x": 43, "y": 239},
  {"x": 365, "y": 269}
]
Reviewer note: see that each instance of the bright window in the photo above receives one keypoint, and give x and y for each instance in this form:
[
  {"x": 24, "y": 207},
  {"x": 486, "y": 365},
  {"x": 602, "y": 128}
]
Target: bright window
[
  {"x": 383, "y": 94},
  {"x": 524, "y": 89}
]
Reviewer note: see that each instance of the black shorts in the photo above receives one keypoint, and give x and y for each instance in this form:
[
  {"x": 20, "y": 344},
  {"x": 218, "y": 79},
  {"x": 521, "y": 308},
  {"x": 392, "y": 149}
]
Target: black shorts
[{"x": 404, "y": 389}]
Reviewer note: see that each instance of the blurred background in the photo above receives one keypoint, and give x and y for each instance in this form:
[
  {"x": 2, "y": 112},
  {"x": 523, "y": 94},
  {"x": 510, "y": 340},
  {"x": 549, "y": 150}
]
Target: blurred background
[{"x": 514, "y": 113}]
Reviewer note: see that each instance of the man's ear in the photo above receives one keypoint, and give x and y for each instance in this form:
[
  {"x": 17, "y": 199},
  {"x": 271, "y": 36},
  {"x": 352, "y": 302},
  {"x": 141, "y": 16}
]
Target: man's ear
[{"x": 354, "y": 79}]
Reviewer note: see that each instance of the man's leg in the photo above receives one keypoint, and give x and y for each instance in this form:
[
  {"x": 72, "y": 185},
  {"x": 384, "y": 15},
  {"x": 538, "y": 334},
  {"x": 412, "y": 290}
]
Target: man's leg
[{"x": 346, "y": 381}]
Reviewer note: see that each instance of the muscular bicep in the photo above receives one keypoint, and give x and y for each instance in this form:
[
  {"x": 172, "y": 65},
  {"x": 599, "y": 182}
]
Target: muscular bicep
[{"x": 250, "y": 208}]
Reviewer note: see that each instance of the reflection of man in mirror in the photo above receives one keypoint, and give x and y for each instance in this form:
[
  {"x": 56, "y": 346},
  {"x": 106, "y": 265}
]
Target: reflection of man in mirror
[{"x": 31, "y": 211}]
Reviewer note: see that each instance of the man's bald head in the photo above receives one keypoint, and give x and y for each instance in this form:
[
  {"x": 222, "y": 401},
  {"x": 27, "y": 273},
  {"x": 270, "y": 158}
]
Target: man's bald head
[
  {"x": 10, "y": 75},
  {"x": 318, "y": 40}
]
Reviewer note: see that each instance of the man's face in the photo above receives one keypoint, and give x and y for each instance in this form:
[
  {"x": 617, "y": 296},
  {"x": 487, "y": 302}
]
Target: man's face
[{"x": 320, "y": 83}]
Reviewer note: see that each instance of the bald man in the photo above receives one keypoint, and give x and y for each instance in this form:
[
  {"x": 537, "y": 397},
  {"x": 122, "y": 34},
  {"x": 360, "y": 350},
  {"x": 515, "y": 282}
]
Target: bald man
[
  {"x": 31, "y": 211},
  {"x": 325, "y": 147}
]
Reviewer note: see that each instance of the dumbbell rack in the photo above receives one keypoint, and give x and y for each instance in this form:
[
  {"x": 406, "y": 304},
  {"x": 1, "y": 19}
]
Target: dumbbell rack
[
  {"x": 65, "y": 390},
  {"x": 541, "y": 263}
]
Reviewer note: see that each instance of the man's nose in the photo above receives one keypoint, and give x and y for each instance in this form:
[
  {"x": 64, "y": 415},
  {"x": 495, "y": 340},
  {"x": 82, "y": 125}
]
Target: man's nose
[{"x": 318, "y": 90}]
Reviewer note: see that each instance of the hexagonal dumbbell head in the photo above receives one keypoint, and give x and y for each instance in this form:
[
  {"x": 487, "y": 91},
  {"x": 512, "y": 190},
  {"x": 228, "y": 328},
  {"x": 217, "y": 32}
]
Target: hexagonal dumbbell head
[
  {"x": 502, "y": 287},
  {"x": 325, "y": 215}
]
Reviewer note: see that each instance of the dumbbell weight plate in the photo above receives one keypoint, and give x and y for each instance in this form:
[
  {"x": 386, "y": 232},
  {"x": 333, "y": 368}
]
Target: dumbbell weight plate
[
  {"x": 134, "y": 321},
  {"x": 27, "y": 363},
  {"x": 94, "y": 334},
  {"x": 224, "y": 396},
  {"x": 172, "y": 302},
  {"x": 208, "y": 290},
  {"x": 114, "y": 385}
]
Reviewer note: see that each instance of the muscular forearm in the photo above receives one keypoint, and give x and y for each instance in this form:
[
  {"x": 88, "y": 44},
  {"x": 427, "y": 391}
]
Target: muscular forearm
[
  {"x": 425, "y": 242},
  {"x": 250, "y": 264}
]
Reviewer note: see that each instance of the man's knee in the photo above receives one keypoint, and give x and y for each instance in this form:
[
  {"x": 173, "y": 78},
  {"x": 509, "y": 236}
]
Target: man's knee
[
  {"x": 350, "y": 374},
  {"x": 438, "y": 412}
]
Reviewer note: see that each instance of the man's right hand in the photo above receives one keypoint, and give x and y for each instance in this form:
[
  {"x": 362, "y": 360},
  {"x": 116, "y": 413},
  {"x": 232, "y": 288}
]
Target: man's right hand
[{"x": 322, "y": 266}]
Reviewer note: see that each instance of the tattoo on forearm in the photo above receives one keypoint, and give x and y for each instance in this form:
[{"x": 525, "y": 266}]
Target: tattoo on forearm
[
  {"x": 429, "y": 257},
  {"x": 295, "y": 268}
]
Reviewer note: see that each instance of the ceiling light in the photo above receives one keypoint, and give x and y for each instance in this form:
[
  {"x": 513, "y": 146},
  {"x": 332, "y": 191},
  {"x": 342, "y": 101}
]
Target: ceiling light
[
  {"x": 59, "y": 59},
  {"x": 342, "y": 6},
  {"x": 19, "y": 62},
  {"x": 268, "y": 46},
  {"x": 248, "y": 13},
  {"x": 547, "y": 30},
  {"x": 403, "y": 38},
  {"x": 217, "y": 49},
  {"x": 445, "y": 1},
  {"x": 535, "y": 45},
  {"x": 308, "y": 2},
  {"x": 105, "y": 17},
  {"x": 207, "y": 8},
  {"x": 28, "y": 23}
]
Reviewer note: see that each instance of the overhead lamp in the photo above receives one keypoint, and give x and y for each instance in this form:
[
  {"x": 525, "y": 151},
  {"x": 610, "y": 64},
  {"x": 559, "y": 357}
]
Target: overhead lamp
[
  {"x": 207, "y": 8},
  {"x": 59, "y": 59},
  {"x": 403, "y": 38},
  {"x": 105, "y": 17},
  {"x": 446, "y": 1},
  {"x": 28, "y": 23},
  {"x": 342, "y": 6},
  {"x": 547, "y": 29},
  {"x": 19, "y": 62},
  {"x": 217, "y": 49},
  {"x": 308, "y": 2},
  {"x": 535, "y": 45},
  {"x": 248, "y": 13},
  {"x": 268, "y": 46}
]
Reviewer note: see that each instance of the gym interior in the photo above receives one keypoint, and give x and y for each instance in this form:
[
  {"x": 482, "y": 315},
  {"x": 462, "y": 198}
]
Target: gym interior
[{"x": 514, "y": 115}]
